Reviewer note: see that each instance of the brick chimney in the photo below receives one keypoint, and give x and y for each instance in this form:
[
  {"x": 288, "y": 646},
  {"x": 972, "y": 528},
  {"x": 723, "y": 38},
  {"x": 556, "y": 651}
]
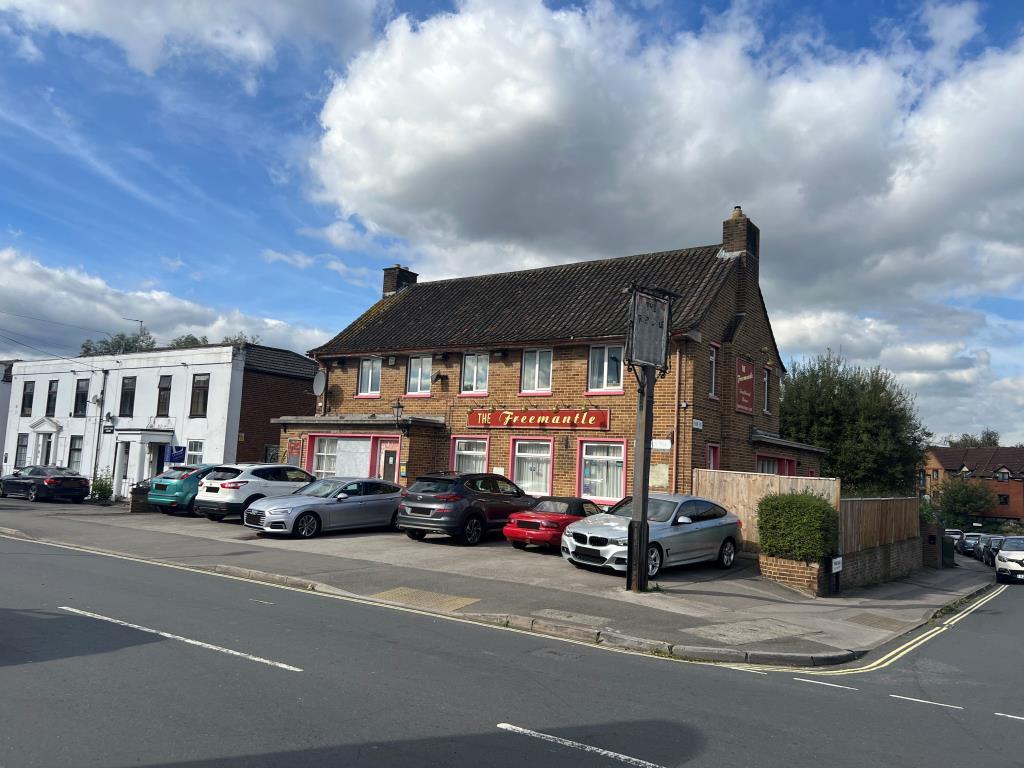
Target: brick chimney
[
  {"x": 740, "y": 234},
  {"x": 396, "y": 278}
]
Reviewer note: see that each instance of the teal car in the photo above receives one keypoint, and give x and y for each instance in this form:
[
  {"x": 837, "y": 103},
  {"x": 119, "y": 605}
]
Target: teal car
[{"x": 175, "y": 488}]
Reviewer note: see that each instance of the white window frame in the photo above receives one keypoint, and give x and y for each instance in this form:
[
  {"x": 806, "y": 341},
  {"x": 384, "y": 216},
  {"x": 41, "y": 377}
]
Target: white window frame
[
  {"x": 329, "y": 456},
  {"x": 766, "y": 379},
  {"x": 583, "y": 460},
  {"x": 21, "y": 450},
  {"x": 458, "y": 442},
  {"x": 75, "y": 465},
  {"x": 477, "y": 358},
  {"x": 713, "y": 371},
  {"x": 550, "y": 458},
  {"x": 604, "y": 386},
  {"x": 194, "y": 452},
  {"x": 536, "y": 369},
  {"x": 417, "y": 363},
  {"x": 367, "y": 365}
]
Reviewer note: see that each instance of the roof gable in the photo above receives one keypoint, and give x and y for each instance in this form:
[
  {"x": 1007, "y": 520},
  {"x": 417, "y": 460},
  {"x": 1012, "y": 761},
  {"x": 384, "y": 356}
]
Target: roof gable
[
  {"x": 582, "y": 300},
  {"x": 980, "y": 461}
]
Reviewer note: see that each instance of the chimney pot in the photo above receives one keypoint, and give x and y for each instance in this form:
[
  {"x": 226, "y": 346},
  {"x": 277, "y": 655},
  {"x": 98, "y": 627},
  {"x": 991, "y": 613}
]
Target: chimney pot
[
  {"x": 396, "y": 278},
  {"x": 739, "y": 233}
]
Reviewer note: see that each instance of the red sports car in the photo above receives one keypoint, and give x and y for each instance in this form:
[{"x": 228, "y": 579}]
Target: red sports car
[{"x": 544, "y": 522}]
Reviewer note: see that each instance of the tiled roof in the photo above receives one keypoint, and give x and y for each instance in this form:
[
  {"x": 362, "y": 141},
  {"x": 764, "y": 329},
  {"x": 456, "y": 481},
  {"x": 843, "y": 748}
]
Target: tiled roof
[
  {"x": 582, "y": 300},
  {"x": 982, "y": 462},
  {"x": 279, "y": 362}
]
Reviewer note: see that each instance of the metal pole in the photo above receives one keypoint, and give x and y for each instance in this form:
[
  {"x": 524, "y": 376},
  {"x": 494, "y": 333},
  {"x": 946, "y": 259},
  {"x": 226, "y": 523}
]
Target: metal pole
[{"x": 636, "y": 574}]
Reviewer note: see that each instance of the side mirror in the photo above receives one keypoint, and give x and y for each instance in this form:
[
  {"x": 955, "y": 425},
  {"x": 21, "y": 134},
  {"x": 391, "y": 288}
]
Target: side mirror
[
  {"x": 341, "y": 496},
  {"x": 683, "y": 520},
  {"x": 17, "y": 473}
]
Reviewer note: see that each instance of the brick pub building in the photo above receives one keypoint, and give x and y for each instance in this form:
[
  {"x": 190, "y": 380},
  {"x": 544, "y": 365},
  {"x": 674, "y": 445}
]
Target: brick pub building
[{"x": 521, "y": 373}]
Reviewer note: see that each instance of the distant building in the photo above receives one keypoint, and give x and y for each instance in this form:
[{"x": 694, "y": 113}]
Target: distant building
[
  {"x": 5, "y": 398},
  {"x": 522, "y": 373},
  {"x": 127, "y": 415},
  {"x": 1002, "y": 469}
]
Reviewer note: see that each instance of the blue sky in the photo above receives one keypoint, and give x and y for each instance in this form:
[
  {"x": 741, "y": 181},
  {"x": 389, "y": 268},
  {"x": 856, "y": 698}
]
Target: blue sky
[{"x": 211, "y": 183}]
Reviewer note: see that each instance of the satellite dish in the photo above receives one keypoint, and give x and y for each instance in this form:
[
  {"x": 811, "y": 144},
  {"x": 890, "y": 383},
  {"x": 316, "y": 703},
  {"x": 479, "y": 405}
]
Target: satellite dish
[{"x": 319, "y": 383}]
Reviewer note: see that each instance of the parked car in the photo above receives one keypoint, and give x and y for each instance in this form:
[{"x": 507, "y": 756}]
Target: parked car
[
  {"x": 953, "y": 533},
  {"x": 175, "y": 488},
  {"x": 544, "y": 522},
  {"x": 330, "y": 504},
  {"x": 683, "y": 529},
  {"x": 38, "y": 482},
  {"x": 979, "y": 546},
  {"x": 965, "y": 546},
  {"x": 230, "y": 488},
  {"x": 1010, "y": 560},
  {"x": 465, "y": 506},
  {"x": 991, "y": 549}
]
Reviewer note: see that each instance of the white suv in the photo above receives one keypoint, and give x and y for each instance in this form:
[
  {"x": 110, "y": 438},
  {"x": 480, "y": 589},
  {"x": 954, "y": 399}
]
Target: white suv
[{"x": 231, "y": 488}]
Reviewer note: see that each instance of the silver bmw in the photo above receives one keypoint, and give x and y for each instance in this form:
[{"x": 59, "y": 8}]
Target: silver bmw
[
  {"x": 683, "y": 529},
  {"x": 334, "y": 503}
]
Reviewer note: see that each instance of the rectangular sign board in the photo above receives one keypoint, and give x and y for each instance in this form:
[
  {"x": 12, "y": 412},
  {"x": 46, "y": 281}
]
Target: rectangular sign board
[
  {"x": 533, "y": 418},
  {"x": 647, "y": 343},
  {"x": 837, "y": 564},
  {"x": 744, "y": 386}
]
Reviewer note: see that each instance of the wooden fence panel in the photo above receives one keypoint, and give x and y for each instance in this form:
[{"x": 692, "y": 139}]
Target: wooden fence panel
[
  {"x": 740, "y": 493},
  {"x": 868, "y": 523}
]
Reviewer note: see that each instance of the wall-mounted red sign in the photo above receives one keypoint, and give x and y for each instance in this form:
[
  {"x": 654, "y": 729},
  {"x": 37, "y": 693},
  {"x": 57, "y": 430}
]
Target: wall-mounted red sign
[
  {"x": 531, "y": 418},
  {"x": 744, "y": 386}
]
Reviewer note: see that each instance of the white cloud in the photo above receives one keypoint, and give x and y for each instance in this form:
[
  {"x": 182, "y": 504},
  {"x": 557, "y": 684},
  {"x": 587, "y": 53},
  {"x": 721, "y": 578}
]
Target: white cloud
[
  {"x": 62, "y": 297},
  {"x": 174, "y": 264},
  {"x": 245, "y": 32},
  {"x": 354, "y": 275},
  {"x": 24, "y": 48},
  {"x": 297, "y": 260}
]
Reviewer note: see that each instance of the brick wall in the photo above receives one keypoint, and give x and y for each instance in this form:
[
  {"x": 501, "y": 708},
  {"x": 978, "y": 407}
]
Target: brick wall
[
  {"x": 265, "y": 397},
  {"x": 931, "y": 546},
  {"x": 809, "y": 578},
  {"x": 879, "y": 564}
]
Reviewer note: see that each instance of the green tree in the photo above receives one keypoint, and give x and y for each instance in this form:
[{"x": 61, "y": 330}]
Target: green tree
[
  {"x": 863, "y": 416},
  {"x": 119, "y": 344},
  {"x": 241, "y": 338},
  {"x": 188, "y": 340},
  {"x": 989, "y": 438},
  {"x": 959, "y": 498}
]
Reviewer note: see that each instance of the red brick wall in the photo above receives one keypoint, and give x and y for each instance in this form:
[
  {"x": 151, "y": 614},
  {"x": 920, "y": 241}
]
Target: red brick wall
[
  {"x": 266, "y": 397},
  {"x": 809, "y": 578}
]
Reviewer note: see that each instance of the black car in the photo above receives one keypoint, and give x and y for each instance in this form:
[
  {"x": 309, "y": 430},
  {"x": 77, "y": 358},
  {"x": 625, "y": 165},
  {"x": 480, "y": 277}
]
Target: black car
[
  {"x": 36, "y": 482},
  {"x": 463, "y": 505},
  {"x": 965, "y": 545},
  {"x": 991, "y": 549}
]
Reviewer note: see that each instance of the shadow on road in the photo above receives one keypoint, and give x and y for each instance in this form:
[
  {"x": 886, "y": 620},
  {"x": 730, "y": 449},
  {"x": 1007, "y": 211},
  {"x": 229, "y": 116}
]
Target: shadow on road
[
  {"x": 30, "y": 636},
  {"x": 661, "y": 743}
]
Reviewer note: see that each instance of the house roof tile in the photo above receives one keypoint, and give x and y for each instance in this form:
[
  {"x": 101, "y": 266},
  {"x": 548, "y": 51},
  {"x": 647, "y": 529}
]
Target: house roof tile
[{"x": 982, "y": 462}]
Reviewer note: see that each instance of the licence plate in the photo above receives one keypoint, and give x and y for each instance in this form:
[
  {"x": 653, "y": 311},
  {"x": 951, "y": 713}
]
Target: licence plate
[
  {"x": 1020, "y": 575},
  {"x": 212, "y": 488},
  {"x": 418, "y": 511},
  {"x": 588, "y": 552},
  {"x": 160, "y": 487}
]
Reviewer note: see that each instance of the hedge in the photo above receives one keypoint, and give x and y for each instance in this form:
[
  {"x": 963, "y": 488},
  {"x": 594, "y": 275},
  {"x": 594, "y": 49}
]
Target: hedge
[{"x": 797, "y": 526}]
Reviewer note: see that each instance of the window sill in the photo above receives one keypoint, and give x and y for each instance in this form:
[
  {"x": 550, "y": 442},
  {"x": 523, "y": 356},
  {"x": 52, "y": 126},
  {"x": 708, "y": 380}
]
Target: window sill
[
  {"x": 599, "y": 392},
  {"x": 416, "y": 394},
  {"x": 546, "y": 393},
  {"x": 366, "y": 397},
  {"x": 766, "y": 413},
  {"x": 714, "y": 397},
  {"x": 197, "y": 416},
  {"x": 473, "y": 394}
]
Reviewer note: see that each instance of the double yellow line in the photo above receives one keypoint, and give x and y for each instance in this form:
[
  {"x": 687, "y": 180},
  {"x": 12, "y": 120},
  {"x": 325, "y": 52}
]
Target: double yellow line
[{"x": 894, "y": 655}]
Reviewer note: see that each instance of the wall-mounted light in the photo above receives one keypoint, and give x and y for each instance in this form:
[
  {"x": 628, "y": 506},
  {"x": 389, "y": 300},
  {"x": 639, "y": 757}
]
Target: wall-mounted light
[{"x": 396, "y": 409}]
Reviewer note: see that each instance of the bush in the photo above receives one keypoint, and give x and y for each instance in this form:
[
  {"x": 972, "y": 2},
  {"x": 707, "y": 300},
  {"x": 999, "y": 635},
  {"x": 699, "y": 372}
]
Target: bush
[
  {"x": 929, "y": 514},
  {"x": 961, "y": 498},
  {"x": 102, "y": 489},
  {"x": 798, "y": 526}
]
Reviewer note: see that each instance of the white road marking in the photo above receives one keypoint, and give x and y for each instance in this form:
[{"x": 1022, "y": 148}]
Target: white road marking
[
  {"x": 967, "y": 611},
  {"x": 577, "y": 745},
  {"x": 262, "y": 602},
  {"x": 830, "y": 685},
  {"x": 924, "y": 701},
  {"x": 169, "y": 636},
  {"x": 1012, "y": 717},
  {"x": 747, "y": 669}
]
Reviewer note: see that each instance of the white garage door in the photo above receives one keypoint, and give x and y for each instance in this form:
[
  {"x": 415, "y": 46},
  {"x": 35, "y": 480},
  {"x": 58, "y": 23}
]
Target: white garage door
[{"x": 353, "y": 457}]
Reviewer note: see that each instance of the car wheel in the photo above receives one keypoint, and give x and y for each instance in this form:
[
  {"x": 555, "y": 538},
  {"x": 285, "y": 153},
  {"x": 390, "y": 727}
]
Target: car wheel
[
  {"x": 653, "y": 561},
  {"x": 3, "y": 491},
  {"x": 416, "y": 535},
  {"x": 519, "y": 544},
  {"x": 727, "y": 554},
  {"x": 306, "y": 526},
  {"x": 214, "y": 517},
  {"x": 33, "y": 493},
  {"x": 394, "y": 521},
  {"x": 472, "y": 531}
]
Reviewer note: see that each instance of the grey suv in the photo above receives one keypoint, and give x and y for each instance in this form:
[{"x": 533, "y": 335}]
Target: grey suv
[{"x": 465, "y": 506}]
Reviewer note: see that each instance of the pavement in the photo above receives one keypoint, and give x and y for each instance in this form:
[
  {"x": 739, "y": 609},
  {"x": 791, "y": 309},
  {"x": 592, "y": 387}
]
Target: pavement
[
  {"x": 106, "y": 661},
  {"x": 696, "y": 612}
]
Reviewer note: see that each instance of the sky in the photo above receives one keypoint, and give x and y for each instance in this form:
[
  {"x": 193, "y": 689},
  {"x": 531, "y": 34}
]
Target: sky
[{"x": 252, "y": 165}]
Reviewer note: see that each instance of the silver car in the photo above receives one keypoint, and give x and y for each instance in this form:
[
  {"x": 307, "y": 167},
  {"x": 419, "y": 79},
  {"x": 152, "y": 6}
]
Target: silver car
[
  {"x": 683, "y": 529},
  {"x": 331, "y": 504}
]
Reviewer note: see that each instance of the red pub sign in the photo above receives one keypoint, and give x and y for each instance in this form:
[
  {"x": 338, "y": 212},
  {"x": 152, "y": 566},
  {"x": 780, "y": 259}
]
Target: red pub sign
[
  {"x": 532, "y": 418},
  {"x": 744, "y": 386}
]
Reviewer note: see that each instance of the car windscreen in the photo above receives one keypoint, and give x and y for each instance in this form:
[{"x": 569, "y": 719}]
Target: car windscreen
[
  {"x": 431, "y": 485},
  {"x": 658, "y": 510},
  {"x": 1013, "y": 545},
  {"x": 550, "y": 505},
  {"x": 224, "y": 473},
  {"x": 60, "y": 471},
  {"x": 972, "y": 536},
  {"x": 175, "y": 472},
  {"x": 321, "y": 488}
]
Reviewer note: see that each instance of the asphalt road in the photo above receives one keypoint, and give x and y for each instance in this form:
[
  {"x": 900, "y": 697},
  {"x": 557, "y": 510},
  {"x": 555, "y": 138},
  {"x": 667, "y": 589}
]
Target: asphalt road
[{"x": 246, "y": 674}]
